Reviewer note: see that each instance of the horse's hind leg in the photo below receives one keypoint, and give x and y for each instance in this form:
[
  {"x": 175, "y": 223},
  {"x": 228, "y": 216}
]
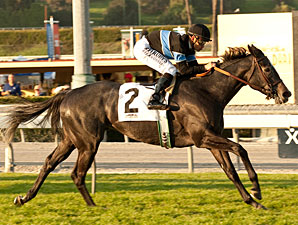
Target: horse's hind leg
[
  {"x": 85, "y": 158},
  {"x": 226, "y": 164},
  {"x": 61, "y": 152},
  {"x": 212, "y": 140}
]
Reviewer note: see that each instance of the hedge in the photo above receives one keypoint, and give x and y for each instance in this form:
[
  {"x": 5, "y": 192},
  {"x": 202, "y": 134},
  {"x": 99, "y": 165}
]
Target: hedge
[
  {"x": 19, "y": 100},
  {"x": 19, "y": 42}
]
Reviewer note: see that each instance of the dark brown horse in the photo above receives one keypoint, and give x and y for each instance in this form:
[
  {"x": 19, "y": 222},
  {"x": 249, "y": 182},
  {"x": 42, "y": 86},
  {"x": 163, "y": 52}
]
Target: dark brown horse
[{"x": 196, "y": 119}]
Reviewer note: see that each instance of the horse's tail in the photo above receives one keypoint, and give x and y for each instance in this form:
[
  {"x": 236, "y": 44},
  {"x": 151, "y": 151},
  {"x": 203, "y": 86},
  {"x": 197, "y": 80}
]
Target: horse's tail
[{"x": 29, "y": 112}]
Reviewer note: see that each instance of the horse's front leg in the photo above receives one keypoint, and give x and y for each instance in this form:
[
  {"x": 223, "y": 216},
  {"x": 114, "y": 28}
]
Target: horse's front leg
[{"x": 214, "y": 141}]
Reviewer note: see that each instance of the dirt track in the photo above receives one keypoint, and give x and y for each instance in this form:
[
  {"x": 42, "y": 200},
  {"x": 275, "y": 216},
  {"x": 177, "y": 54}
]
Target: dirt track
[{"x": 143, "y": 158}]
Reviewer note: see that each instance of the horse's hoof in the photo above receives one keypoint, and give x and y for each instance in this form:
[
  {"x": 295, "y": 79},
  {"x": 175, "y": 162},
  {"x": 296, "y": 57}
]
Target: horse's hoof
[
  {"x": 260, "y": 206},
  {"x": 18, "y": 201},
  {"x": 256, "y": 194}
]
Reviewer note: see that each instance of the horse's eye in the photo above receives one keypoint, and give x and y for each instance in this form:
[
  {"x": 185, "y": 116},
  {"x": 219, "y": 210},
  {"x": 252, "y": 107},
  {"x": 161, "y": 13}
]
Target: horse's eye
[{"x": 267, "y": 70}]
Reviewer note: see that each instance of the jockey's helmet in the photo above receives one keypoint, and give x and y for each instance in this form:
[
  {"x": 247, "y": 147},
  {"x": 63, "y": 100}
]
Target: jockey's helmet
[{"x": 200, "y": 30}]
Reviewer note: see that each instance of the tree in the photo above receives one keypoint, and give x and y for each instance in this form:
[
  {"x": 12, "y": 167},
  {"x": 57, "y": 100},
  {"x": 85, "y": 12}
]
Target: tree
[
  {"x": 201, "y": 7},
  {"x": 176, "y": 14},
  {"x": 61, "y": 10},
  {"x": 59, "y": 5},
  {"x": 154, "y": 7},
  {"x": 214, "y": 28},
  {"x": 15, "y": 5},
  {"x": 188, "y": 12},
  {"x": 221, "y": 7},
  {"x": 230, "y": 5},
  {"x": 282, "y": 7},
  {"x": 122, "y": 12},
  {"x": 30, "y": 16}
]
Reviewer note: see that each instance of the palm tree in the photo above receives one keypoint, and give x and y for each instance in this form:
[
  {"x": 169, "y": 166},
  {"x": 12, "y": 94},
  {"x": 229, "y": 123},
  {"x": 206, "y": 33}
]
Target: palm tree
[
  {"x": 221, "y": 9},
  {"x": 214, "y": 28},
  {"x": 188, "y": 12}
]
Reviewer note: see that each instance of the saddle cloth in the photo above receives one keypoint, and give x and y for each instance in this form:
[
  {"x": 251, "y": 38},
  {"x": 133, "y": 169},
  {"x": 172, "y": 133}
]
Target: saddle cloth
[
  {"x": 132, "y": 106},
  {"x": 132, "y": 103}
]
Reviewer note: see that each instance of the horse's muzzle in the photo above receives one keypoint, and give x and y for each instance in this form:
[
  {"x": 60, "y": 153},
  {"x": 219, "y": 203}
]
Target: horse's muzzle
[{"x": 283, "y": 93}]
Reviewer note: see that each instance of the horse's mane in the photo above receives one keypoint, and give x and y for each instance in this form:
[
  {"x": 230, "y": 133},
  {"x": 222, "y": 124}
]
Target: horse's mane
[
  {"x": 227, "y": 59},
  {"x": 234, "y": 53}
]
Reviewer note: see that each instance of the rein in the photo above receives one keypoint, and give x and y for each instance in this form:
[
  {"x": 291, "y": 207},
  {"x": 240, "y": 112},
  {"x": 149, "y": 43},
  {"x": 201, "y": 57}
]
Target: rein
[
  {"x": 270, "y": 92},
  {"x": 229, "y": 75},
  {"x": 239, "y": 79}
]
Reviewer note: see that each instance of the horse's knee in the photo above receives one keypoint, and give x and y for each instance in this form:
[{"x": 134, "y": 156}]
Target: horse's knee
[
  {"x": 237, "y": 149},
  {"x": 47, "y": 165},
  {"x": 78, "y": 180},
  {"x": 73, "y": 175},
  {"x": 75, "y": 178}
]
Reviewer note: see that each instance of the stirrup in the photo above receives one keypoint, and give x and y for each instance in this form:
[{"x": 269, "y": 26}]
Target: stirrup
[{"x": 157, "y": 106}]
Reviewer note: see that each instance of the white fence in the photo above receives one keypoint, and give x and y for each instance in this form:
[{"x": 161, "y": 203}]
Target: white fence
[{"x": 281, "y": 117}]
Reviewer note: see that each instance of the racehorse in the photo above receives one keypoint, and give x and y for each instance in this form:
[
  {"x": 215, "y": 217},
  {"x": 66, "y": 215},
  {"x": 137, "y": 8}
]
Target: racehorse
[{"x": 196, "y": 119}]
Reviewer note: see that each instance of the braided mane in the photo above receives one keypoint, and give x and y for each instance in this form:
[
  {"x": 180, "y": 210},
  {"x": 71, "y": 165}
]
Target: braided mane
[{"x": 234, "y": 53}]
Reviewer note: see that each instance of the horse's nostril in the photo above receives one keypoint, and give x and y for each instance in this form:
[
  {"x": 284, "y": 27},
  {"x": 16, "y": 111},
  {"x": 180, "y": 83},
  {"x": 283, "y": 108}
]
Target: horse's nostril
[{"x": 287, "y": 94}]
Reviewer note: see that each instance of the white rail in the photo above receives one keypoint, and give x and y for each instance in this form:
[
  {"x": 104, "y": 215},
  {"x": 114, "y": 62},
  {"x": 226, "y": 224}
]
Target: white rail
[{"x": 231, "y": 121}]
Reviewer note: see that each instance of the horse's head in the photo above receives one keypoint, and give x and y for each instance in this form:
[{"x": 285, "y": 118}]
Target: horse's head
[{"x": 268, "y": 79}]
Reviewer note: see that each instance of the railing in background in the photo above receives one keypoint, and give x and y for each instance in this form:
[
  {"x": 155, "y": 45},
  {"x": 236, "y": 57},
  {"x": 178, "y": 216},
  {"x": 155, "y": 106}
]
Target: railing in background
[{"x": 233, "y": 119}]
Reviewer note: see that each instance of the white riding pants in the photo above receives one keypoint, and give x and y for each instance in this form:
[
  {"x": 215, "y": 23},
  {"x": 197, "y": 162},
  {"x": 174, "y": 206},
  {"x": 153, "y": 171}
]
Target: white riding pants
[{"x": 152, "y": 58}]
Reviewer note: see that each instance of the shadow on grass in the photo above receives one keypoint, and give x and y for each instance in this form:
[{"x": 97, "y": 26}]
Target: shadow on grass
[{"x": 114, "y": 183}]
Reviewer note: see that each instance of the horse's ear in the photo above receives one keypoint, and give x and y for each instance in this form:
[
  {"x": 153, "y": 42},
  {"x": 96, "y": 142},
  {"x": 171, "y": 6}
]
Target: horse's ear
[
  {"x": 251, "y": 49},
  {"x": 255, "y": 51}
]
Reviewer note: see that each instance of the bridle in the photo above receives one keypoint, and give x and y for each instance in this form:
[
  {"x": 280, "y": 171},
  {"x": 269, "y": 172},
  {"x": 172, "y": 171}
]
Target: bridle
[{"x": 270, "y": 91}]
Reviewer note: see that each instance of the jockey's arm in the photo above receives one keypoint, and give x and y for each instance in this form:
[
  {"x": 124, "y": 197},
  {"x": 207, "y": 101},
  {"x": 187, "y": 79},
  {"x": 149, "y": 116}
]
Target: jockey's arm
[{"x": 190, "y": 68}]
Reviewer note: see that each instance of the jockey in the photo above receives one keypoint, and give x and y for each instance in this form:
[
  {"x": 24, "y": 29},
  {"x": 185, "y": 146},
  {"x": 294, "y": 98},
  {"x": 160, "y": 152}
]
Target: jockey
[{"x": 156, "y": 48}]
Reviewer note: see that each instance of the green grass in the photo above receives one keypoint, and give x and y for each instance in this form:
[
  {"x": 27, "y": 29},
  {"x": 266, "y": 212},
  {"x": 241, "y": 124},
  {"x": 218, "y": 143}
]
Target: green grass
[{"x": 206, "y": 198}]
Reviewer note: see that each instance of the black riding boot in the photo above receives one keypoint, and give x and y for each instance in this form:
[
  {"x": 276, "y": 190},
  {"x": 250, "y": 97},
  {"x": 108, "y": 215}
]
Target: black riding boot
[{"x": 162, "y": 83}]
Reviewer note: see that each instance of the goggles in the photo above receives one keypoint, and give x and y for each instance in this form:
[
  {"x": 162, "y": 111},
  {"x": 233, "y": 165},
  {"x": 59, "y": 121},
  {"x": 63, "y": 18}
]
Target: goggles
[{"x": 197, "y": 41}]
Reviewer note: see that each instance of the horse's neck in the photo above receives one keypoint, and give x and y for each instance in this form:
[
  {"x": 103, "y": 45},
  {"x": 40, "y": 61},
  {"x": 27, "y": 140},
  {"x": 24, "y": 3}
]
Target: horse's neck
[{"x": 224, "y": 88}]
